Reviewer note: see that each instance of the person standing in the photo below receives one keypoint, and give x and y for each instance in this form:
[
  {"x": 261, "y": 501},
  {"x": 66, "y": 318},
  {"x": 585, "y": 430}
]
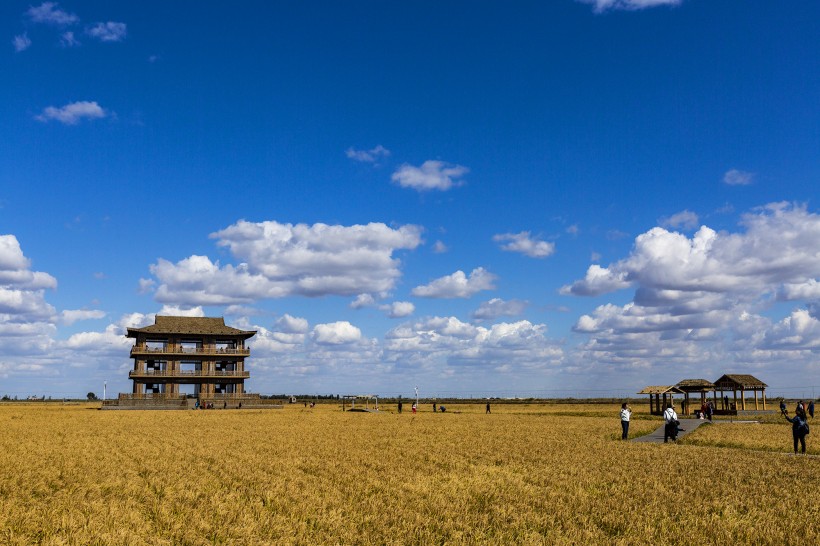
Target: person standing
[
  {"x": 626, "y": 413},
  {"x": 414, "y": 407},
  {"x": 800, "y": 427},
  {"x": 488, "y": 408},
  {"x": 811, "y": 409},
  {"x": 399, "y": 406},
  {"x": 434, "y": 407},
  {"x": 670, "y": 419},
  {"x": 710, "y": 410},
  {"x": 783, "y": 406}
]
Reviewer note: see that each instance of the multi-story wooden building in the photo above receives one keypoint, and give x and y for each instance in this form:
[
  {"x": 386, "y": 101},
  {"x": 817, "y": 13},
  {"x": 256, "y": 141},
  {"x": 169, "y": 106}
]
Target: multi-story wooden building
[{"x": 197, "y": 357}]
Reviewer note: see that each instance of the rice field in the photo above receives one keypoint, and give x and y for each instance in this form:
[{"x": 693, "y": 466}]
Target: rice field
[{"x": 526, "y": 474}]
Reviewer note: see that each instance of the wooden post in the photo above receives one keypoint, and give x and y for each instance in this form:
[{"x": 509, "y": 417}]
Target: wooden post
[
  {"x": 755, "y": 399},
  {"x": 763, "y": 394}
]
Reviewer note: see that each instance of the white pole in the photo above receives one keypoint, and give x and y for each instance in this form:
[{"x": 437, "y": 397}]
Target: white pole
[
  {"x": 417, "y": 396},
  {"x": 105, "y": 386}
]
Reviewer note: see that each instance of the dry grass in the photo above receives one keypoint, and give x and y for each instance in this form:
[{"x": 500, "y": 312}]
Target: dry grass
[{"x": 523, "y": 475}]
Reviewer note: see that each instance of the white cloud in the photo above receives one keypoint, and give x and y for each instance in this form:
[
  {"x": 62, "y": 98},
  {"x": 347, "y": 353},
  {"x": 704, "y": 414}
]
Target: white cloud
[
  {"x": 279, "y": 260},
  {"x": 291, "y": 325},
  {"x": 146, "y": 286},
  {"x": 439, "y": 247},
  {"x": 684, "y": 219},
  {"x": 368, "y": 156},
  {"x": 734, "y": 177},
  {"x": 363, "y": 300},
  {"x": 182, "y": 311},
  {"x": 524, "y": 244},
  {"x": 108, "y": 32},
  {"x": 21, "y": 42},
  {"x": 698, "y": 298},
  {"x": 448, "y": 341},
  {"x": 71, "y": 114},
  {"x": 48, "y": 13},
  {"x": 67, "y": 39},
  {"x": 336, "y": 333},
  {"x": 432, "y": 175},
  {"x": 70, "y": 316},
  {"x": 457, "y": 285},
  {"x": 497, "y": 307},
  {"x": 399, "y": 309},
  {"x": 604, "y": 5}
]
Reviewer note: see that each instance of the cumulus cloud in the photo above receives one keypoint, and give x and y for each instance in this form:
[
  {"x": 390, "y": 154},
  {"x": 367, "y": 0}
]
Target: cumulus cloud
[
  {"x": 336, "y": 333},
  {"x": 449, "y": 341},
  {"x": 457, "y": 285},
  {"x": 182, "y": 311},
  {"x": 72, "y": 113},
  {"x": 21, "y": 42},
  {"x": 524, "y": 244},
  {"x": 48, "y": 13},
  {"x": 694, "y": 296},
  {"x": 684, "y": 219},
  {"x": 278, "y": 260},
  {"x": 432, "y": 175},
  {"x": 291, "y": 325},
  {"x": 70, "y": 316},
  {"x": 605, "y": 5},
  {"x": 368, "y": 156},
  {"x": 27, "y": 320},
  {"x": 107, "y": 32},
  {"x": 399, "y": 309},
  {"x": 497, "y": 307},
  {"x": 362, "y": 301},
  {"x": 735, "y": 177}
]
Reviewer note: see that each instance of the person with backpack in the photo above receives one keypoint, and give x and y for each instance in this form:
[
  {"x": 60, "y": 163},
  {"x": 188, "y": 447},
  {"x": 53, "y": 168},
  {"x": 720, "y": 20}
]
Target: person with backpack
[
  {"x": 670, "y": 429},
  {"x": 800, "y": 428}
]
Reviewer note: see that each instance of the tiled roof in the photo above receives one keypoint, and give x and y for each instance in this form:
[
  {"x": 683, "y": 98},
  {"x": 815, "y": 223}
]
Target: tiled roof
[{"x": 213, "y": 326}]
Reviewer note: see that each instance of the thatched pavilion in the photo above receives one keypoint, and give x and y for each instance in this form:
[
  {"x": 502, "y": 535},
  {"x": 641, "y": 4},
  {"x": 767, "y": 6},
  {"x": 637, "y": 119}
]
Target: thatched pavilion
[
  {"x": 692, "y": 386},
  {"x": 656, "y": 406},
  {"x": 742, "y": 383}
]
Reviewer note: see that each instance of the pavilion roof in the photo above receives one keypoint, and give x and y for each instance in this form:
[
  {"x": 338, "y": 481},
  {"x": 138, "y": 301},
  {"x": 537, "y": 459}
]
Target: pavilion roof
[
  {"x": 214, "y": 326},
  {"x": 695, "y": 385},
  {"x": 738, "y": 381},
  {"x": 661, "y": 389}
]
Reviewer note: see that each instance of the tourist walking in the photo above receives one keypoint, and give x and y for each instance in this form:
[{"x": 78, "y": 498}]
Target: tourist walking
[
  {"x": 800, "y": 428},
  {"x": 670, "y": 419},
  {"x": 626, "y": 412}
]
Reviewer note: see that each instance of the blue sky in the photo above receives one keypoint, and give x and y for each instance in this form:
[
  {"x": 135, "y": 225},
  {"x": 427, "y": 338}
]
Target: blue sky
[{"x": 538, "y": 198}]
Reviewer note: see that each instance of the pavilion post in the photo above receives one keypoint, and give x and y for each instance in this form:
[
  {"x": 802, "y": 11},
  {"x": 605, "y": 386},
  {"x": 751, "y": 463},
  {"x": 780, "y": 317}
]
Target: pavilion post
[
  {"x": 755, "y": 399},
  {"x": 763, "y": 394}
]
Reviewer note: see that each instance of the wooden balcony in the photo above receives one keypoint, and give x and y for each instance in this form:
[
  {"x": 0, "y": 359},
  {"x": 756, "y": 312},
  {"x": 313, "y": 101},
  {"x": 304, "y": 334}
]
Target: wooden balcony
[
  {"x": 179, "y": 350},
  {"x": 187, "y": 376}
]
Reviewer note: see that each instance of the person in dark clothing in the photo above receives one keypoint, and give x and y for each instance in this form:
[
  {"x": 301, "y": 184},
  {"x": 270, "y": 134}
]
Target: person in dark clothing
[
  {"x": 800, "y": 428},
  {"x": 710, "y": 410},
  {"x": 399, "y": 406},
  {"x": 811, "y": 409},
  {"x": 488, "y": 408},
  {"x": 782, "y": 406},
  {"x": 670, "y": 419},
  {"x": 434, "y": 407}
]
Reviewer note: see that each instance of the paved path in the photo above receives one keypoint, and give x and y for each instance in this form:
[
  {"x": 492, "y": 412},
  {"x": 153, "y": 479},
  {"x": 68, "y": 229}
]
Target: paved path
[{"x": 688, "y": 425}]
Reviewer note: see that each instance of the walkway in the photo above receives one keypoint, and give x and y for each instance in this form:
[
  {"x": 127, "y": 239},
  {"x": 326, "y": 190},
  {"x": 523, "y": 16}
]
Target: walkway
[{"x": 688, "y": 425}]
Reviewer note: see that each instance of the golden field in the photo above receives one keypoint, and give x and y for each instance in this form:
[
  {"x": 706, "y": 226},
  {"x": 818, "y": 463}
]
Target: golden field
[{"x": 526, "y": 474}]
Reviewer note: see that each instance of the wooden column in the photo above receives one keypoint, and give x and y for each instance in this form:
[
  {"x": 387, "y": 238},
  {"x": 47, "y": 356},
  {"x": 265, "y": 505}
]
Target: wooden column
[
  {"x": 755, "y": 399},
  {"x": 763, "y": 393}
]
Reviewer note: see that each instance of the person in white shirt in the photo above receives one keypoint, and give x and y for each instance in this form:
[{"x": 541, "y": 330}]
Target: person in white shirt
[
  {"x": 626, "y": 412},
  {"x": 670, "y": 418}
]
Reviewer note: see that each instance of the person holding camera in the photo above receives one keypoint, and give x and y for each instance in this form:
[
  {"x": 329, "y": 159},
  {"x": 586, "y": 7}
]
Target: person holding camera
[
  {"x": 800, "y": 427},
  {"x": 670, "y": 418}
]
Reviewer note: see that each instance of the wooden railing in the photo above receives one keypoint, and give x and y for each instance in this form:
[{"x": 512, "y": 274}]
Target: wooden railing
[
  {"x": 189, "y": 373},
  {"x": 180, "y": 350},
  {"x": 159, "y": 397}
]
